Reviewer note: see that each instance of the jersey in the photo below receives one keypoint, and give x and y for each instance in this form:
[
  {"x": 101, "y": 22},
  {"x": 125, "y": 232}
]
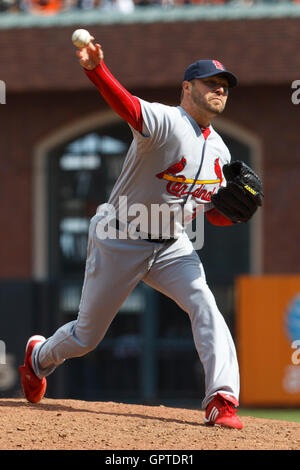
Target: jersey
[{"x": 171, "y": 161}]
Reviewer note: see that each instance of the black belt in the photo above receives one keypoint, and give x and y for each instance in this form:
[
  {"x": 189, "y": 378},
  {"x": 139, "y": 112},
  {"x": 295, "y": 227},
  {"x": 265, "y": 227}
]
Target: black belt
[{"x": 149, "y": 238}]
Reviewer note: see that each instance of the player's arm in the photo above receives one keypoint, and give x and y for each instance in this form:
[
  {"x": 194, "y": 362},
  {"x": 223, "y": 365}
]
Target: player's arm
[
  {"x": 242, "y": 195},
  {"x": 119, "y": 99},
  {"x": 216, "y": 218}
]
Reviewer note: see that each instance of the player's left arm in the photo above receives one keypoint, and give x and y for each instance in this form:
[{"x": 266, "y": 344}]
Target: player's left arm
[
  {"x": 216, "y": 218},
  {"x": 243, "y": 194},
  {"x": 212, "y": 214}
]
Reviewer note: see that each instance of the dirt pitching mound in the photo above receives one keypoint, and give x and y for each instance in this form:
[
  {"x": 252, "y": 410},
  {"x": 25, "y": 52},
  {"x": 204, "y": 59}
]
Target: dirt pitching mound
[{"x": 79, "y": 425}]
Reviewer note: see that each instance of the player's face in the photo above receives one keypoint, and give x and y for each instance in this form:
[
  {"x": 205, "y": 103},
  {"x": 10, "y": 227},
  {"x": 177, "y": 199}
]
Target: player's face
[{"x": 210, "y": 93}]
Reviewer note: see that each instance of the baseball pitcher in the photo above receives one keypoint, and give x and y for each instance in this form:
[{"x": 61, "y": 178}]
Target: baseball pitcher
[{"x": 178, "y": 159}]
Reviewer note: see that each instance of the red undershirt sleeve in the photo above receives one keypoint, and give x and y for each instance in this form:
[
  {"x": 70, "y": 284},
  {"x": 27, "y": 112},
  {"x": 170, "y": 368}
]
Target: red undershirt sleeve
[
  {"x": 119, "y": 99},
  {"x": 216, "y": 218}
]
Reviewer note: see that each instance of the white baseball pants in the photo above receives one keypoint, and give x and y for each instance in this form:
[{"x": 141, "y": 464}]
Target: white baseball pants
[{"x": 113, "y": 269}]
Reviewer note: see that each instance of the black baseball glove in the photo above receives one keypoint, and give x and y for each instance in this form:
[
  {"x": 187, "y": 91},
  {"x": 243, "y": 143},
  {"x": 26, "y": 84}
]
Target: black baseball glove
[{"x": 242, "y": 195}]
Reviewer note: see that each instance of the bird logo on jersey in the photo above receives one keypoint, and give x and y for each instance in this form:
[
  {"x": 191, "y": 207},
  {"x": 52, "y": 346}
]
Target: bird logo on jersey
[
  {"x": 218, "y": 170},
  {"x": 178, "y": 184},
  {"x": 173, "y": 169}
]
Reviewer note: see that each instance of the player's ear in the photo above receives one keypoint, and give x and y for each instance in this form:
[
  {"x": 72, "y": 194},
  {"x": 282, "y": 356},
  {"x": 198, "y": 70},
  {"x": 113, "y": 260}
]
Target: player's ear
[
  {"x": 186, "y": 87},
  {"x": 181, "y": 95}
]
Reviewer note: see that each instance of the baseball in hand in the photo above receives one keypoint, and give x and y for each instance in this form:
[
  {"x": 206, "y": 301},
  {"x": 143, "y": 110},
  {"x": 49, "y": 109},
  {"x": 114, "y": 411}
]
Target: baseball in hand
[{"x": 81, "y": 38}]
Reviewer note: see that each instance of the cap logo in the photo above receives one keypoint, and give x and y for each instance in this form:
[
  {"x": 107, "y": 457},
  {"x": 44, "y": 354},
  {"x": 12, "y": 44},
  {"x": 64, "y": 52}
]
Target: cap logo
[{"x": 218, "y": 65}]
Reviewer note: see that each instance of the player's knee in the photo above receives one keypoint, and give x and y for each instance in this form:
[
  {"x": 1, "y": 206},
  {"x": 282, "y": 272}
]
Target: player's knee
[
  {"x": 89, "y": 347},
  {"x": 201, "y": 305},
  {"x": 87, "y": 343},
  {"x": 196, "y": 300}
]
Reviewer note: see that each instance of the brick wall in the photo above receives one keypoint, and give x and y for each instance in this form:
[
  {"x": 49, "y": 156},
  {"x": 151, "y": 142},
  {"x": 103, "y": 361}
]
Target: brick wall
[
  {"x": 46, "y": 90},
  {"x": 259, "y": 51}
]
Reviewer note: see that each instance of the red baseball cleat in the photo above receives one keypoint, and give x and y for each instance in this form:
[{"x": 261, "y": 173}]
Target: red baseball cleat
[
  {"x": 220, "y": 412},
  {"x": 34, "y": 388}
]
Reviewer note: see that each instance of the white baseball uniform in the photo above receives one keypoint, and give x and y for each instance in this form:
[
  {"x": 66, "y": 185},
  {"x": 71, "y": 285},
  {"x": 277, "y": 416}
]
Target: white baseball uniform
[{"x": 172, "y": 161}]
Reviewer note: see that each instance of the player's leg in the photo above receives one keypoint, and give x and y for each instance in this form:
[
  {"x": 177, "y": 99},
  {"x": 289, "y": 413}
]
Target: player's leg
[
  {"x": 113, "y": 269},
  {"x": 178, "y": 273}
]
